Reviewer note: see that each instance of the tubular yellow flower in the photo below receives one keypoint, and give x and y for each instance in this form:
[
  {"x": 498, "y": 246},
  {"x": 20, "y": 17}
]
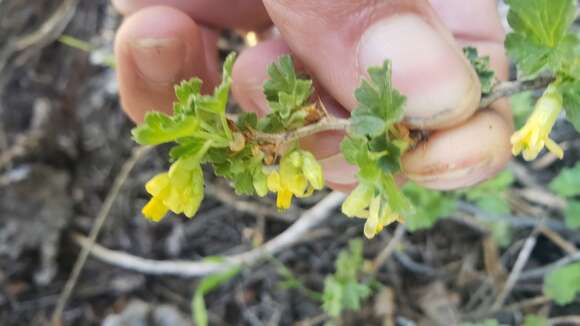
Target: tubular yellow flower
[
  {"x": 299, "y": 175},
  {"x": 363, "y": 203},
  {"x": 179, "y": 190},
  {"x": 532, "y": 138}
]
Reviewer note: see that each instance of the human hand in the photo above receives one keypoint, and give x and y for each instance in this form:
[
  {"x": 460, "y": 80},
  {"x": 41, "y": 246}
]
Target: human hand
[{"x": 335, "y": 41}]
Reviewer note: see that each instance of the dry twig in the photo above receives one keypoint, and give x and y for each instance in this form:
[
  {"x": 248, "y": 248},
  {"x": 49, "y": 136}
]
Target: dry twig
[
  {"x": 390, "y": 248},
  {"x": 518, "y": 267},
  {"x": 138, "y": 153},
  {"x": 310, "y": 219}
]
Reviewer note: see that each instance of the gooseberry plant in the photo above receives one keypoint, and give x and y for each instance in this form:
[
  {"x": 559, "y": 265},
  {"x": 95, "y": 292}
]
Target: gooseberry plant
[{"x": 259, "y": 155}]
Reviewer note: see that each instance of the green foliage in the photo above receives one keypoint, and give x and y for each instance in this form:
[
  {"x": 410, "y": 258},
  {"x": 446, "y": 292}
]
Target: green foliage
[
  {"x": 430, "y": 206},
  {"x": 501, "y": 232},
  {"x": 380, "y": 105},
  {"x": 343, "y": 290},
  {"x": 487, "y": 322},
  {"x": 567, "y": 183},
  {"x": 205, "y": 286},
  {"x": 375, "y": 146},
  {"x": 540, "y": 37},
  {"x": 533, "y": 320},
  {"x": 481, "y": 66},
  {"x": 571, "y": 93},
  {"x": 522, "y": 107},
  {"x": 572, "y": 214},
  {"x": 563, "y": 284},
  {"x": 490, "y": 195},
  {"x": 286, "y": 93}
]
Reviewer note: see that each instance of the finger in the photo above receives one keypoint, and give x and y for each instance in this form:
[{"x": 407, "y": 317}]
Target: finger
[
  {"x": 244, "y": 14},
  {"x": 152, "y": 58},
  {"x": 463, "y": 155},
  {"x": 428, "y": 66}
]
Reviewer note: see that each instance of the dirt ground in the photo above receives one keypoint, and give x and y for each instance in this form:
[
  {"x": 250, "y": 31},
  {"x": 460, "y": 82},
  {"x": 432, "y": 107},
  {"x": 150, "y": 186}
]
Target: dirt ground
[{"x": 64, "y": 139}]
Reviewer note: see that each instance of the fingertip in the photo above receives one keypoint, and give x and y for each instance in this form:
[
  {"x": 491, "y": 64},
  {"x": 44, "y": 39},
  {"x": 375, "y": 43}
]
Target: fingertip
[
  {"x": 152, "y": 58},
  {"x": 251, "y": 71},
  {"x": 461, "y": 156}
]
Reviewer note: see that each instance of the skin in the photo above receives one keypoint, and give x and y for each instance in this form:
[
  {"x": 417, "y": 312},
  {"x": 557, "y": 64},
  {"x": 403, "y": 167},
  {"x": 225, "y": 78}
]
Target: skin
[{"x": 164, "y": 41}]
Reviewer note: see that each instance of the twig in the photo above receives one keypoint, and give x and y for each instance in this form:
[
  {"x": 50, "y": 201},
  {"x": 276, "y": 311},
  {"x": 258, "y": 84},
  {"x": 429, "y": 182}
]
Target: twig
[
  {"x": 542, "y": 271},
  {"x": 248, "y": 207},
  {"x": 43, "y": 35},
  {"x": 326, "y": 124},
  {"x": 390, "y": 248},
  {"x": 138, "y": 153},
  {"x": 564, "y": 320},
  {"x": 528, "y": 303},
  {"x": 502, "y": 89},
  {"x": 310, "y": 219},
  {"x": 564, "y": 244},
  {"x": 517, "y": 270},
  {"x": 505, "y": 89}
]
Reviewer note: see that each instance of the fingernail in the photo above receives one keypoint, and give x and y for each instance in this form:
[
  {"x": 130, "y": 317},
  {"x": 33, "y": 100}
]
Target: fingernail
[
  {"x": 427, "y": 67},
  {"x": 338, "y": 171},
  {"x": 159, "y": 60}
]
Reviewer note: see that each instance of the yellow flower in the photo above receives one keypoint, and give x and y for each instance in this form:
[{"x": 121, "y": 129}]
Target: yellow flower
[
  {"x": 179, "y": 190},
  {"x": 362, "y": 203},
  {"x": 532, "y": 138},
  {"x": 298, "y": 176}
]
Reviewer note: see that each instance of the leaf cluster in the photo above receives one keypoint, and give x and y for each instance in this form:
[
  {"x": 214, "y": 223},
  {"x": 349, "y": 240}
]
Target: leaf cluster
[
  {"x": 567, "y": 185},
  {"x": 286, "y": 93},
  {"x": 343, "y": 290},
  {"x": 563, "y": 283},
  {"x": 430, "y": 206},
  {"x": 481, "y": 65},
  {"x": 206, "y": 285}
]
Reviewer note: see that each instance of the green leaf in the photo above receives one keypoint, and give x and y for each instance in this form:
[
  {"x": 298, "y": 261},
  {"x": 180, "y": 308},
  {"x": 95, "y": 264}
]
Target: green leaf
[
  {"x": 342, "y": 290},
  {"x": 285, "y": 90},
  {"x": 481, "y": 66},
  {"x": 352, "y": 148},
  {"x": 490, "y": 195},
  {"x": 493, "y": 203},
  {"x": 545, "y": 22},
  {"x": 160, "y": 128},
  {"x": 572, "y": 214},
  {"x": 571, "y": 94},
  {"x": 563, "y": 284},
  {"x": 522, "y": 107},
  {"x": 185, "y": 147},
  {"x": 501, "y": 232},
  {"x": 205, "y": 286},
  {"x": 567, "y": 183},
  {"x": 540, "y": 28},
  {"x": 247, "y": 121},
  {"x": 380, "y": 105},
  {"x": 430, "y": 206},
  {"x": 533, "y": 320}
]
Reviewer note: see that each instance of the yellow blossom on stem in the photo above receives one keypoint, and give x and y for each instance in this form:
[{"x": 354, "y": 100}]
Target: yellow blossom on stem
[
  {"x": 531, "y": 139},
  {"x": 299, "y": 175},
  {"x": 363, "y": 203},
  {"x": 179, "y": 190}
]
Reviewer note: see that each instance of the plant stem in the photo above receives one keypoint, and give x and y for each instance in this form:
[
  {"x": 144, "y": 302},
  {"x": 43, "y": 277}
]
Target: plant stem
[
  {"x": 506, "y": 89},
  {"x": 326, "y": 124},
  {"x": 501, "y": 90}
]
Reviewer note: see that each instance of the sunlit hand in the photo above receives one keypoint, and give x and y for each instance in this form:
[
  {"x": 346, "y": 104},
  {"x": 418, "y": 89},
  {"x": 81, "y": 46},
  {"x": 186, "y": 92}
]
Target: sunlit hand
[{"x": 335, "y": 41}]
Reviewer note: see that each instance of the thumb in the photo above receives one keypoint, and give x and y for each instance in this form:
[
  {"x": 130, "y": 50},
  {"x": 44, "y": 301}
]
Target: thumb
[{"x": 338, "y": 40}]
